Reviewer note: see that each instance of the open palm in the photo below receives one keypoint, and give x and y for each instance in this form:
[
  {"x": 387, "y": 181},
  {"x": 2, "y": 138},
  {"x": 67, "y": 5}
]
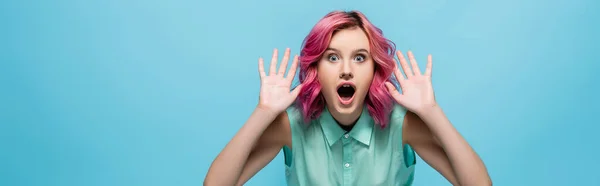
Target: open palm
[
  {"x": 417, "y": 90},
  {"x": 275, "y": 94}
]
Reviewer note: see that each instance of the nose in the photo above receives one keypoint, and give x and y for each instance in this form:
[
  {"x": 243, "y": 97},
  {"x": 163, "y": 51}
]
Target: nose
[{"x": 346, "y": 73}]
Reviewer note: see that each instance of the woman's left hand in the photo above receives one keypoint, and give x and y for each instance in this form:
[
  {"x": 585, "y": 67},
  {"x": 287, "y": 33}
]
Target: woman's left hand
[{"x": 417, "y": 91}]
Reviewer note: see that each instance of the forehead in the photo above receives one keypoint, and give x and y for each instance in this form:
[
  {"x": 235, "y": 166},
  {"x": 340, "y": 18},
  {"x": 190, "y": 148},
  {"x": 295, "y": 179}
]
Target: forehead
[{"x": 350, "y": 39}]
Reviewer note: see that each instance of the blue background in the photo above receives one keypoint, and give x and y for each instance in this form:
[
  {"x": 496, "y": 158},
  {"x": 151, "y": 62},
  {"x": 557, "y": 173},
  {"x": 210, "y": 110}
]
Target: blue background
[{"x": 148, "y": 92}]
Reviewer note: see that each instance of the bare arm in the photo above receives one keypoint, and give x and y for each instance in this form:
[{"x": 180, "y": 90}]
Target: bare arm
[
  {"x": 227, "y": 167},
  {"x": 269, "y": 145},
  {"x": 430, "y": 132},
  {"x": 419, "y": 137},
  {"x": 441, "y": 146},
  {"x": 264, "y": 133}
]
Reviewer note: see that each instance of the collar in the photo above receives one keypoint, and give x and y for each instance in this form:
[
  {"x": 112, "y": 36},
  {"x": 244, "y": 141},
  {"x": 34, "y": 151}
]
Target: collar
[{"x": 362, "y": 130}]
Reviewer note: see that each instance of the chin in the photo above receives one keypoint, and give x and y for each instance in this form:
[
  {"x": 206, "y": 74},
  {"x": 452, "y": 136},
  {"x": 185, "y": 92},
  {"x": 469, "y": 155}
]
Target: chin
[
  {"x": 345, "y": 113},
  {"x": 344, "y": 109}
]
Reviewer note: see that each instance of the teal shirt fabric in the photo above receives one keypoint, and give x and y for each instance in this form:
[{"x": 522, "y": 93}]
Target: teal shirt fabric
[{"x": 322, "y": 153}]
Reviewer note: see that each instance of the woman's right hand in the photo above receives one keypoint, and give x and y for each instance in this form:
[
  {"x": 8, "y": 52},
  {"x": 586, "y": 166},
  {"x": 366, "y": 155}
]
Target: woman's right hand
[{"x": 275, "y": 94}]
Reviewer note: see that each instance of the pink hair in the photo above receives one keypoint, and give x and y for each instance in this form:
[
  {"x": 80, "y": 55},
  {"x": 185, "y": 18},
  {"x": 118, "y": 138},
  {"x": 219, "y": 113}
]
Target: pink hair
[{"x": 310, "y": 101}]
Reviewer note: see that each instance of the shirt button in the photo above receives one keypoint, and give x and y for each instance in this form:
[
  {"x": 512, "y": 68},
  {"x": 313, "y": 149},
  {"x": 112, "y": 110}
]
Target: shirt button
[
  {"x": 347, "y": 165},
  {"x": 346, "y": 135}
]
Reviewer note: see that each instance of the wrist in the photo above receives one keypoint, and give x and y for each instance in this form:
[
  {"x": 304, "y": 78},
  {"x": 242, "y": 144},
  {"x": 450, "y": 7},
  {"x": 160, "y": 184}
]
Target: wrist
[
  {"x": 266, "y": 111},
  {"x": 435, "y": 118},
  {"x": 261, "y": 119},
  {"x": 429, "y": 111}
]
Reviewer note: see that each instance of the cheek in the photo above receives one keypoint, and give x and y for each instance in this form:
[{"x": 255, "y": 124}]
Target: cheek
[
  {"x": 365, "y": 78},
  {"x": 365, "y": 84},
  {"x": 327, "y": 79}
]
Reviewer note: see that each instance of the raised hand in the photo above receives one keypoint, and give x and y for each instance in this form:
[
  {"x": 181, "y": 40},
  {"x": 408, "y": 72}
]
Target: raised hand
[
  {"x": 275, "y": 94},
  {"x": 417, "y": 92}
]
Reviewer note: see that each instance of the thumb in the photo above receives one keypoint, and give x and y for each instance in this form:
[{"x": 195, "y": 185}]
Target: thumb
[
  {"x": 393, "y": 91},
  {"x": 296, "y": 91},
  {"x": 391, "y": 88}
]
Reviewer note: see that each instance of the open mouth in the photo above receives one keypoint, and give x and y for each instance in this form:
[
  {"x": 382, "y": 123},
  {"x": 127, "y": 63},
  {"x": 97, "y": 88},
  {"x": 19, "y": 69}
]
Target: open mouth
[{"x": 346, "y": 92}]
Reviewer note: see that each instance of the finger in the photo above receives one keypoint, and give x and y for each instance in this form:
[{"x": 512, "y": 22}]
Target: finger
[
  {"x": 429, "y": 65},
  {"x": 414, "y": 64},
  {"x": 390, "y": 87},
  {"x": 404, "y": 65},
  {"x": 296, "y": 91},
  {"x": 261, "y": 68},
  {"x": 272, "y": 70},
  {"x": 399, "y": 77},
  {"x": 398, "y": 74},
  {"x": 284, "y": 62},
  {"x": 292, "y": 72},
  {"x": 393, "y": 91}
]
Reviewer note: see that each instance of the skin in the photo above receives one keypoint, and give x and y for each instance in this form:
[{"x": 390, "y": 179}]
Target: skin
[
  {"x": 348, "y": 53},
  {"x": 425, "y": 128}
]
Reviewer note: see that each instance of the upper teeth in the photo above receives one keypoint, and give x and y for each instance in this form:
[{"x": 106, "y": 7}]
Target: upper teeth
[{"x": 346, "y": 85}]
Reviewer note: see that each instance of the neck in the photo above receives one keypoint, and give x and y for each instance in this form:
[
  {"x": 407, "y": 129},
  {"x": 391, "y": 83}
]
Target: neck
[
  {"x": 346, "y": 120},
  {"x": 347, "y": 128}
]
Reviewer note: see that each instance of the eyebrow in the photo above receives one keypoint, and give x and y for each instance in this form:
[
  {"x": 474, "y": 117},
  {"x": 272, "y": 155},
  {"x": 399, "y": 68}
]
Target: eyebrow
[{"x": 355, "y": 51}]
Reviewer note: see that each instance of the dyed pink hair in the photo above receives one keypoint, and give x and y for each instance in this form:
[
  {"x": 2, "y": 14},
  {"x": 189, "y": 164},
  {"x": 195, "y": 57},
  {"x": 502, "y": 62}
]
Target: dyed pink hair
[{"x": 310, "y": 101}]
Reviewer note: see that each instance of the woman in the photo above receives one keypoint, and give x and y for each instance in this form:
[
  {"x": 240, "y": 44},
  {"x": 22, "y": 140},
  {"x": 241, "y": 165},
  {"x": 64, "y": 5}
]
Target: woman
[{"x": 350, "y": 125}]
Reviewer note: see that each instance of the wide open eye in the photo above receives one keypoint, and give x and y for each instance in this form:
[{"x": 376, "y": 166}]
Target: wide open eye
[
  {"x": 359, "y": 58},
  {"x": 333, "y": 58}
]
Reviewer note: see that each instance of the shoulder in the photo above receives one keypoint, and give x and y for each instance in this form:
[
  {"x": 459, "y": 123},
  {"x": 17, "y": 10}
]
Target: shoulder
[
  {"x": 398, "y": 113},
  {"x": 414, "y": 129},
  {"x": 289, "y": 117},
  {"x": 285, "y": 125},
  {"x": 293, "y": 115},
  {"x": 279, "y": 131},
  {"x": 397, "y": 117},
  {"x": 404, "y": 122},
  {"x": 396, "y": 121}
]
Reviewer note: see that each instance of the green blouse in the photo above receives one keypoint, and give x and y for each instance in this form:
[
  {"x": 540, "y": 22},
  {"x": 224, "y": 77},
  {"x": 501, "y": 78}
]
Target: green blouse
[{"x": 323, "y": 153}]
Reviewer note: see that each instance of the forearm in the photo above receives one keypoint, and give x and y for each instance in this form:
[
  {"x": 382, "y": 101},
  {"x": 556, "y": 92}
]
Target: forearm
[
  {"x": 467, "y": 165},
  {"x": 227, "y": 167}
]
